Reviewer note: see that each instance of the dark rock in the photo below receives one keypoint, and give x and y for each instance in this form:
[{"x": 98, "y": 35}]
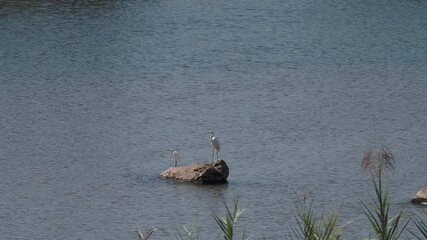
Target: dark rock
[
  {"x": 205, "y": 173},
  {"x": 420, "y": 197}
]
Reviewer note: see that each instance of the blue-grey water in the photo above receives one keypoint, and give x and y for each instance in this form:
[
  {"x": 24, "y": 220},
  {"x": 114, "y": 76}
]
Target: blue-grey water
[{"x": 93, "y": 94}]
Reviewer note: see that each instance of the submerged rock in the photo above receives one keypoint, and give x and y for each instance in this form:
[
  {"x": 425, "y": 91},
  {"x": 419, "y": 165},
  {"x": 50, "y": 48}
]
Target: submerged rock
[
  {"x": 205, "y": 173},
  {"x": 420, "y": 197}
]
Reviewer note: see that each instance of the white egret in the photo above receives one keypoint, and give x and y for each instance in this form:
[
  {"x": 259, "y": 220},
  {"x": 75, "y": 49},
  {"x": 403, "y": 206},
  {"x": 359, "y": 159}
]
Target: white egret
[
  {"x": 215, "y": 145},
  {"x": 176, "y": 156}
]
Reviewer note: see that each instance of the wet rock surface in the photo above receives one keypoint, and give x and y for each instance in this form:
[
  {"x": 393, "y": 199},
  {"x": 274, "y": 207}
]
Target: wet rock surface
[{"x": 205, "y": 173}]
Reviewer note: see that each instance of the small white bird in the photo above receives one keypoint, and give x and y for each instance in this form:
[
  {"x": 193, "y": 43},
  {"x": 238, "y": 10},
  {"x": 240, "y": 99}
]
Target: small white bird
[
  {"x": 176, "y": 156},
  {"x": 215, "y": 145}
]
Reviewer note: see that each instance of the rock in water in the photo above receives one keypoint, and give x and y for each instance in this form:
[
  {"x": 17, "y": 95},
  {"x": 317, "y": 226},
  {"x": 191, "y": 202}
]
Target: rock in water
[
  {"x": 420, "y": 197},
  {"x": 205, "y": 173}
]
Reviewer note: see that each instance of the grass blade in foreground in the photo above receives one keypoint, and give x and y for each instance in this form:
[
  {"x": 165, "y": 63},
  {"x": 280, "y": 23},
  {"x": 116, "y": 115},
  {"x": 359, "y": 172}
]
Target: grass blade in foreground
[
  {"x": 325, "y": 228},
  {"x": 422, "y": 226},
  {"x": 228, "y": 223},
  {"x": 385, "y": 228},
  {"x": 190, "y": 234}
]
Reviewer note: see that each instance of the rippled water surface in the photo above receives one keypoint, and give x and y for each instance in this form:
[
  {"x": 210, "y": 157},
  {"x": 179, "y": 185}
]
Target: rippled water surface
[{"x": 94, "y": 93}]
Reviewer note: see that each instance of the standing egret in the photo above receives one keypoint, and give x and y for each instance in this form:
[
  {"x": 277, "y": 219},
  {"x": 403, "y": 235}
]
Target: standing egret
[
  {"x": 176, "y": 156},
  {"x": 215, "y": 145}
]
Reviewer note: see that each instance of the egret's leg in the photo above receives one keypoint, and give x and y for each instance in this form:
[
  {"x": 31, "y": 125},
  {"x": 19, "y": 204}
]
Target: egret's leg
[{"x": 213, "y": 152}]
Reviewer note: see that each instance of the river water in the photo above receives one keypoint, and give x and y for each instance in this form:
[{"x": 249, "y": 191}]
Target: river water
[{"x": 93, "y": 94}]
